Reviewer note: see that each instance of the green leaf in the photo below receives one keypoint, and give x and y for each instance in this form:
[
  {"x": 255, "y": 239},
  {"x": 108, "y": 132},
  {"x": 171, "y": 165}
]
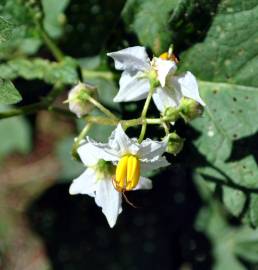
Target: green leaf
[
  {"x": 54, "y": 17},
  {"x": 15, "y": 135},
  {"x": 149, "y": 20},
  {"x": 5, "y": 30},
  {"x": 229, "y": 86},
  {"x": 234, "y": 200},
  {"x": 69, "y": 167},
  {"x": 228, "y": 243},
  {"x": 8, "y": 93},
  {"x": 50, "y": 72},
  {"x": 23, "y": 38}
]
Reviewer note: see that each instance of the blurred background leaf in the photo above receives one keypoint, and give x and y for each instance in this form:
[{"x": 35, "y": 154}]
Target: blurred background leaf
[
  {"x": 15, "y": 135},
  {"x": 8, "y": 93}
]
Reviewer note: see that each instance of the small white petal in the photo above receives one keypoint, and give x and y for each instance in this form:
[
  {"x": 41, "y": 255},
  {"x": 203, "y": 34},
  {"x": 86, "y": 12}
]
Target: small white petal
[
  {"x": 99, "y": 151},
  {"x": 154, "y": 164},
  {"x": 109, "y": 200},
  {"x": 188, "y": 86},
  {"x": 132, "y": 59},
  {"x": 120, "y": 142},
  {"x": 150, "y": 149},
  {"x": 144, "y": 183},
  {"x": 84, "y": 184},
  {"x": 90, "y": 154},
  {"x": 132, "y": 87},
  {"x": 166, "y": 97},
  {"x": 165, "y": 68}
]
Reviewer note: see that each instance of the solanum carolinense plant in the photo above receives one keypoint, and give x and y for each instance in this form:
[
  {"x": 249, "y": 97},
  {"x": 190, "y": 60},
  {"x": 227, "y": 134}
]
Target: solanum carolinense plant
[{"x": 128, "y": 101}]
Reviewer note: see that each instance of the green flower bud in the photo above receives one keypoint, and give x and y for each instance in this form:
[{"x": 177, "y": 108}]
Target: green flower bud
[
  {"x": 175, "y": 144},
  {"x": 190, "y": 109},
  {"x": 78, "y": 98},
  {"x": 171, "y": 114}
]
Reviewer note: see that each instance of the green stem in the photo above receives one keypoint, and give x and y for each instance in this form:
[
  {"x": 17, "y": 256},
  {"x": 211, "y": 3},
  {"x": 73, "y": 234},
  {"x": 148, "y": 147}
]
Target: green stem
[
  {"x": 144, "y": 113},
  {"x": 81, "y": 136},
  {"x": 32, "y": 108},
  {"x": 125, "y": 123},
  {"x": 166, "y": 128},
  {"x": 97, "y": 73},
  {"x": 101, "y": 108},
  {"x": 23, "y": 110},
  {"x": 57, "y": 53}
]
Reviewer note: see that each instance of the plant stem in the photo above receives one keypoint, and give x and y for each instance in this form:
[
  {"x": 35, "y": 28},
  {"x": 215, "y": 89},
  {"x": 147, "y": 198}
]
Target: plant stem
[
  {"x": 76, "y": 144},
  {"x": 32, "y": 108},
  {"x": 87, "y": 73},
  {"x": 144, "y": 113},
  {"x": 102, "y": 108},
  {"x": 125, "y": 123},
  {"x": 23, "y": 110},
  {"x": 57, "y": 53}
]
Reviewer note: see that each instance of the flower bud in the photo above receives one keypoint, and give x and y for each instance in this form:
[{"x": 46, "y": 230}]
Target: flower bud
[
  {"x": 190, "y": 109},
  {"x": 78, "y": 98},
  {"x": 171, "y": 114},
  {"x": 175, "y": 144}
]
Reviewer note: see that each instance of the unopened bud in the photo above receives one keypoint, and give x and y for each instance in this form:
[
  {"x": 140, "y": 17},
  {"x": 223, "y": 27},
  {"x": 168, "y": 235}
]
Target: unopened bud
[
  {"x": 78, "y": 98},
  {"x": 175, "y": 144},
  {"x": 171, "y": 114},
  {"x": 190, "y": 109}
]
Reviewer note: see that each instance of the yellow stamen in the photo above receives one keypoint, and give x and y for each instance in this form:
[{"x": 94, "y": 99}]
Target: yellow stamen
[
  {"x": 127, "y": 173},
  {"x": 167, "y": 56},
  {"x": 164, "y": 56}
]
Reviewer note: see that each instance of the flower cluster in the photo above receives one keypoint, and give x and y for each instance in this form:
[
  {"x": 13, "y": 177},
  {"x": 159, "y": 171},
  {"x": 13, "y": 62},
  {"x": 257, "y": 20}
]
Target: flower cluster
[{"x": 117, "y": 166}]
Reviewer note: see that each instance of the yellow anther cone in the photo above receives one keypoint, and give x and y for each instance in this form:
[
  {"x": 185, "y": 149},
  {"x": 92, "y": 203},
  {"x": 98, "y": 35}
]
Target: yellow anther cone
[{"x": 127, "y": 173}]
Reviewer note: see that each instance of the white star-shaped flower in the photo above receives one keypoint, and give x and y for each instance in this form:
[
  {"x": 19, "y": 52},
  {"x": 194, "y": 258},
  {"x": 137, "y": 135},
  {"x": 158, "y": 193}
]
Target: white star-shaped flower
[
  {"x": 116, "y": 167},
  {"x": 137, "y": 69}
]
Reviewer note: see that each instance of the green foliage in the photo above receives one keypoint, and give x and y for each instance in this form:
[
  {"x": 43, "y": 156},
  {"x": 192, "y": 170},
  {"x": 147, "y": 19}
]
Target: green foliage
[
  {"x": 149, "y": 20},
  {"x": 228, "y": 243},
  {"x": 37, "y": 68},
  {"x": 5, "y": 30},
  {"x": 229, "y": 87},
  {"x": 15, "y": 135},
  {"x": 23, "y": 37},
  {"x": 8, "y": 93},
  {"x": 54, "y": 17}
]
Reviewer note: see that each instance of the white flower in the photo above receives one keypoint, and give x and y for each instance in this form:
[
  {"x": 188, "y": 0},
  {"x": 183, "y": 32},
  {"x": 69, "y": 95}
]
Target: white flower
[
  {"x": 137, "y": 70},
  {"x": 105, "y": 182}
]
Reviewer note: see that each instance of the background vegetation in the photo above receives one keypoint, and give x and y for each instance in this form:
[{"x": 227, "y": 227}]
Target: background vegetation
[{"x": 203, "y": 211}]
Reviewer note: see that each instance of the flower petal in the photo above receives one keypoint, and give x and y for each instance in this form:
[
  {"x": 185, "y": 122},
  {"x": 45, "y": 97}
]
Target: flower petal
[
  {"x": 91, "y": 152},
  {"x": 144, "y": 183},
  {"x": 132, "y": 87},
  {"x": 132, "y": 59},
  {"x": 166, "y": 97},
  {"x": 120, "y": 143},
  {"x": 109, "y": 200},
  {"x": 164, "y": 69},
  {"x": 154, "y": 164},
  {"x": 188, "y": 86},
  {"x": 84, "y": 184},
  {"x": 150, "y": 149}
]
